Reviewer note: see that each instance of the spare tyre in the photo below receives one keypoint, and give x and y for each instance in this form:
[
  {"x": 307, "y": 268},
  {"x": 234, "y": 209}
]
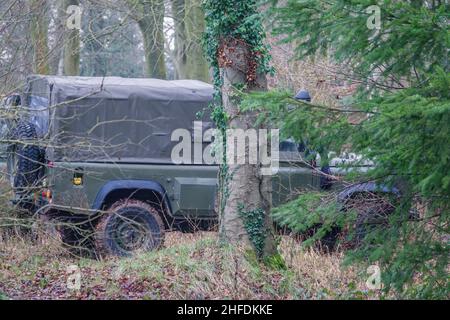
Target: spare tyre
[{"x": 24, "y": 159}]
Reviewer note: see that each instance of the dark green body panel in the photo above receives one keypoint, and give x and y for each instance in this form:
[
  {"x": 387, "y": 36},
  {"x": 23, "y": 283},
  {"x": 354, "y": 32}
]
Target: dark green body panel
[{"x": 189, "y": 189}]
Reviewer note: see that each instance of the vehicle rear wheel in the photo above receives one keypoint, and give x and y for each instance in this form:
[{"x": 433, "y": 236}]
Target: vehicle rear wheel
[
  {"x": 372, "y": 211},
  {"x": 129, "y": 226},
  {"x": 76, "y": 236},
  {"x": 77, "y": 243}
]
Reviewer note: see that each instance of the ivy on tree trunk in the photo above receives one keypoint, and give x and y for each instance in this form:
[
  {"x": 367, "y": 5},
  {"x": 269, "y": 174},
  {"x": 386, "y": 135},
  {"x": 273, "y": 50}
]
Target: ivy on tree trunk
[{"x": 235, "y": 49}]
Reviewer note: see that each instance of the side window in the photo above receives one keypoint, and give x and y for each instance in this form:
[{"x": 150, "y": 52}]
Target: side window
[
  {"x": 39, "y": 114},
  {"x": 288, "y": 146},
  {"x": 289, "y": 151},
  {"x": 12, "y": 101}
]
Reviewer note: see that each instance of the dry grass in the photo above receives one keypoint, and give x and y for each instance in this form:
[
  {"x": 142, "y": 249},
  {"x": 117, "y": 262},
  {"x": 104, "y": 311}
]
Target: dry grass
[{"x": 191, "y": 266}]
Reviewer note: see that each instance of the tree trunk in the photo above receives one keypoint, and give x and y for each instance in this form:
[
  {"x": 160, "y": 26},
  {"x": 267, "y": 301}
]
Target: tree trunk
[
  {"x": 196, "y": 65},
  {"x": 95, "y": 63},
  {"x": 151, "y": 23},
  {"x": 71, "y": 45},
  {"x": 248, "y": 190},
  {"x": 178, "y": 14},
  {"x": 189, "y": 22},
  {"x": 38, "y": 31}
]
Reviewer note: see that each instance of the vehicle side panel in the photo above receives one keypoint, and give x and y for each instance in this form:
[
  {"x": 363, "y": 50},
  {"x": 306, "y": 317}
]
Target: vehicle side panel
[{"x": 190, "y": 190}]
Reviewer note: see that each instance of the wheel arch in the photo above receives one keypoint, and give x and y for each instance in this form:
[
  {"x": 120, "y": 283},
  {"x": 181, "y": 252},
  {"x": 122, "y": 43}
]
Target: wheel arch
[
  {"x": 366, "y": 187},
  {"x": 147, "y": 191}
]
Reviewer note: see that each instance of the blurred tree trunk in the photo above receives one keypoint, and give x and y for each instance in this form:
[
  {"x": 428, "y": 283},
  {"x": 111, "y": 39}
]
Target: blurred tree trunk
[
  {"x": 196, "y": 64},
  {"x": 149, "y": 15},
  {"x": 189, "y": 24},
  {"x": 38, "y": 31},
  {"x": 95, "y": 62},
  {"x": 71, "y": 44},
  {"x": 180, "y": 38}
]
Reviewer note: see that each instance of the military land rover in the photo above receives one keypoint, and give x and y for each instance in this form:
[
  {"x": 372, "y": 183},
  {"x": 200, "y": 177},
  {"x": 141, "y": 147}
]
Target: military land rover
[{"x": 94, "y": 154}]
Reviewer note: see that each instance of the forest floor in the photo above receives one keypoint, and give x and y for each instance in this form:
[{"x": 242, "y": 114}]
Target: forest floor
[{"x": 190, "y": 266}]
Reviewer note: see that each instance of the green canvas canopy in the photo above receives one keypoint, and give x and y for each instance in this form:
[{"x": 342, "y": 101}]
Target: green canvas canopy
[{"x": 117, "y": 119}]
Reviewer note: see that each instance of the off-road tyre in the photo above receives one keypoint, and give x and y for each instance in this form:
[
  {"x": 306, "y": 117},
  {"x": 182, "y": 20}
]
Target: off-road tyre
[
  {"x": 128, "y": 227},
  {"x": 372, "y": 212}
]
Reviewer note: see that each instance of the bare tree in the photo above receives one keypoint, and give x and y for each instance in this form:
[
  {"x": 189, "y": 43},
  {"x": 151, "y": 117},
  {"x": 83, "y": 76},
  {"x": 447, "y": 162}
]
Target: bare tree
[
  {"x": 177, "y": 7},
  {"x": 71, "y": 45},
  {"x": 196, "y": 64},
  {"x": 189, "y": 25},
  {"x": 39, "y": 39},
  {"x": 149, "y": 14}
]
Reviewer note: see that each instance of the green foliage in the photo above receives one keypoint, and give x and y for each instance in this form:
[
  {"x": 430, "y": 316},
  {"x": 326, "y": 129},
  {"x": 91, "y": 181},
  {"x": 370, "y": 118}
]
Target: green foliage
[
  {"x": 275, "y": 262},
  {"x": 411, "y": 136},
  {"x": 403, "y": 108},
  {"x": 318, "y": 125},
  {"x": 254, "y": 223},
  {"x": 412, "y": 36},
  {"x": 236, "y": 20},
  {"x": 314, "y": 211}
]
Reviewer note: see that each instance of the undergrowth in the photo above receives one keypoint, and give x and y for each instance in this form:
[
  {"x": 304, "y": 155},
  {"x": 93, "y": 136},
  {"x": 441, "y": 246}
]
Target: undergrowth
[{"x": 191, "y": 266}]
